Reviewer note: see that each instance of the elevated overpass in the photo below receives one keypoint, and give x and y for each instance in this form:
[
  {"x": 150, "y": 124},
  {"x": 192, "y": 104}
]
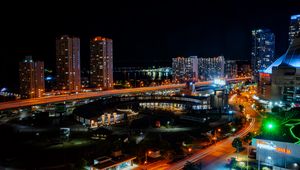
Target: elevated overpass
[{"x": 61, "y": 98}]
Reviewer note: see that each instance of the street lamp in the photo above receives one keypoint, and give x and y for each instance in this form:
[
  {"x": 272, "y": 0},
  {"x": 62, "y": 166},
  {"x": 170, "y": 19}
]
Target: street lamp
[
  {"x": 146, "y": 160},
  {"x": 270, "y": 125}
]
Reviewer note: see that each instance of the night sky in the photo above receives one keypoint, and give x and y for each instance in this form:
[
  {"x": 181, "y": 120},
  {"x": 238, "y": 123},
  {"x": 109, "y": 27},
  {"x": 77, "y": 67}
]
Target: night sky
[{"x": 144, "y": 32}]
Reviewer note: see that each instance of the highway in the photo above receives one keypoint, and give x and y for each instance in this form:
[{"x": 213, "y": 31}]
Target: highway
[{"x": 62, "y": 98}]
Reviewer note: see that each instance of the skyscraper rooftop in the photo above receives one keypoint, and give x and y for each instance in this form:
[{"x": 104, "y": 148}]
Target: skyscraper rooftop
[{"x": 291, "y": 57}]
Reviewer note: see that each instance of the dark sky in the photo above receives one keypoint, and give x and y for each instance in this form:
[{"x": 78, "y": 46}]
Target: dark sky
[{"x": 144, "y": 32}]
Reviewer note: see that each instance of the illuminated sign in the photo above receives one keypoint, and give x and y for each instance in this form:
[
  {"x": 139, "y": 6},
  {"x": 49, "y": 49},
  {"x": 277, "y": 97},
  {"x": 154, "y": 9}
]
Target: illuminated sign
[
  {"x": 264, "y": 74},
  {"x": 295, "y": 16},
  {"x": 219, "y": 82},
  {"x": 272, "y": 146}
]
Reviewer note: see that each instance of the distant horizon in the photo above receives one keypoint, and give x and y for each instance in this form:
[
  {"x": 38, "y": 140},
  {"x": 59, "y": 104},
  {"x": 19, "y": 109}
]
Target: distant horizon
[{"x": 142, "y": 33}]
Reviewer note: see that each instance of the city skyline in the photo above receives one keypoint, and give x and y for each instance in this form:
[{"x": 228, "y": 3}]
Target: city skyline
[
  {"x": 193, "y": 85},
  {"x": 155, "y": 32}
]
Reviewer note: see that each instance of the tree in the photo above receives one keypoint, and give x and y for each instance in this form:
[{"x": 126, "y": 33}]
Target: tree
[
  {"x": 169, "y": 154},
  {"x": 232, "y": 163},
  {"x": 248, "y": 137},
  {"x": 276, "y": 109},
  {"x": 241, "y": 108},
  {"x": 80, "y": 165},
  {"x": 237, "y": 143}
]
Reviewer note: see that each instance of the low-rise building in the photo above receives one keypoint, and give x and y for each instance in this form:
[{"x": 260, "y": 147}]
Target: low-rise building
[
  {"x": 110, "y": 163},
  {"x": 277, "y": 153}
]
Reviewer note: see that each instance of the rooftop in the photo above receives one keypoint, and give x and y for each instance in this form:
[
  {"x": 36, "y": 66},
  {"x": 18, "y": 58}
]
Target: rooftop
[
  {"x": 289, "y": 131},
  {"x": 109, "y": 163}
]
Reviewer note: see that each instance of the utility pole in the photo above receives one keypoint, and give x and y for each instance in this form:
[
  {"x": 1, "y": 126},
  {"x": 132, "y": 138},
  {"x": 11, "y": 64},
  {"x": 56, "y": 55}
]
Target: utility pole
[
  {"x": 247, "y": 155},
  {"x": 258, "y": 157}
]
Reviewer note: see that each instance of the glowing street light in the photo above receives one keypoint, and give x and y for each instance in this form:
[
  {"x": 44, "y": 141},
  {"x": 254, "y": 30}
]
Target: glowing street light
[{"x": 270, "y": 126}]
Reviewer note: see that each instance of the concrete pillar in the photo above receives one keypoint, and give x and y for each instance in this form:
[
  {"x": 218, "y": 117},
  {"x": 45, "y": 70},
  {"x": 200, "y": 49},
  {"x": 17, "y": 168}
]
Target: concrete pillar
[
  {"x": 108, "y": 118},
  {"x": 103, "y": 119},
  {"x": 115, "y": 117}
]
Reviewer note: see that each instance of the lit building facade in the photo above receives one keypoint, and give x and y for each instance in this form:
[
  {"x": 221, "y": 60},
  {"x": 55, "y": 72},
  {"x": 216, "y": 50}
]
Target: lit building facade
[
  {"x": 277, "y": 154},
  {"x": 285, "y": 75},
  {"x": 185, "y": 69},
  {"x": 32, "y": 82},
  {"x": 101, "y": 62},
  {"x": 264, "y": 86},
  {"x": 211, "y": 68},
  {"x": 231, "y": 69},
  {"x": 68, "y": 63},
  {"x": 263, "y": 50},
  {"x": 294, "y": 27}
]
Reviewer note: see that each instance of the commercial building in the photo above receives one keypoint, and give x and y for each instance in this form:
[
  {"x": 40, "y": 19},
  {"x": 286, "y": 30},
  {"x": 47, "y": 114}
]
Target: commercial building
[
  {"x": 231, "y": 69},
  {"x": 263, "y": 49},
  {"x": 32, "y": 82},
  {"x": 280, "y": 154},
  {"x": 68, "y": 63},
  {"x": 264, "y": 86},
  {"x": 278, "y": 146},
  {"x": 185, "y": 69},
  {"x": 117, "y": 163},
  {"x": 101, "y": 62},
  {"x": 284, "y": 75},
  {"x": 294, "y": 27},
  {"x": 211, "y": 68}
]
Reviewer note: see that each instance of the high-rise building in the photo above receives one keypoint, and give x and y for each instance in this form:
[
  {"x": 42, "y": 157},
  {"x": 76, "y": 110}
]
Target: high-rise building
[
  {"x": 263, "y": 49},
  {"x": 68, "y": 63},
  {"x": 231, "y": 69},
  {"x": 211, "y": 68},
  {"x": 294, "y": 27},
  {"x": 32, "y": 82},
  {"x": 282, "y": 78},
  {"x": 101, "y": 62},
  {"x": 185, "y": 69}
]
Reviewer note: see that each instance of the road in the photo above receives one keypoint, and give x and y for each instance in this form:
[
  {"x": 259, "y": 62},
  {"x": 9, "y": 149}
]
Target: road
[
  {"x": 221, "y": 156},
  {"x": 62, "y": 98},
  {"x": 213, "y": 150},
  {"x": 216, "y": 156}
]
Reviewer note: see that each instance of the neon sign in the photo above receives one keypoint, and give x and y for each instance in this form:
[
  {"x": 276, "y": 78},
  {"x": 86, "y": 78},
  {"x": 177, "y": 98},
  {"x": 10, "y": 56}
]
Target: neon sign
[{"x": 272, "y": 146}]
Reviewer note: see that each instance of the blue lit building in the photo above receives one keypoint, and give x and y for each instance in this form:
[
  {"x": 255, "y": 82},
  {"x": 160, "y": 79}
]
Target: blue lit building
[
  {"x": 294, "y": 27},
  {"x": 284, "y": 75},
  {"x": 263, "y": 49}
]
